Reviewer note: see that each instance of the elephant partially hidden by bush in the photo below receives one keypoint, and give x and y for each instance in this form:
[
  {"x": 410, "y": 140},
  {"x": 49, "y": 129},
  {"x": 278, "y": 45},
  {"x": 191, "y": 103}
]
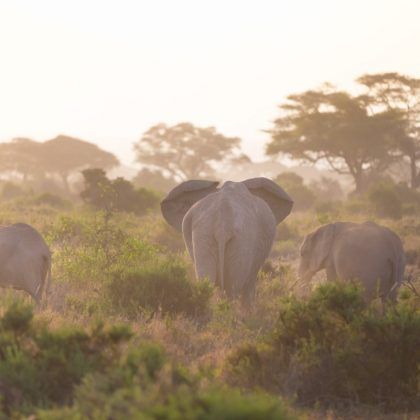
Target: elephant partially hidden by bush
[
  {"x": 229, "y": 230},
  {"x": 25, "y": 260},
  {"x": 365, "y": 252}
]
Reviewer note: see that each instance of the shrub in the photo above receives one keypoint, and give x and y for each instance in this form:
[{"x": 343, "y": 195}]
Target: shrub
[
  {"x": 116, "y": 195},
  {"x": 174, "y": 394},
  {"x": 160, "y": 285},
  {"x": 334, "y": 349},
  {"x": 41, "y": 367},
  {"x": 90, "y": 248}
]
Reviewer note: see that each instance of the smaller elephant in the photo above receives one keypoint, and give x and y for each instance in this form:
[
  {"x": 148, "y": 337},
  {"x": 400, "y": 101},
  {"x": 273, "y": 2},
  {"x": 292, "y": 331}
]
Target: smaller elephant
[
  {"x": 365, "y": 252},
  {"x": 25, "y": 260}
]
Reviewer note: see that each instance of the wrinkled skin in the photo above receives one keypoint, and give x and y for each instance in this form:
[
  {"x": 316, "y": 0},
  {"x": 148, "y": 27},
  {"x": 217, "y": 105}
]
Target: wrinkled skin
[
  {"x": 229, "y": 233},
  {"x": 25, "y": 260},
  {"x": 365, "y": 252}
]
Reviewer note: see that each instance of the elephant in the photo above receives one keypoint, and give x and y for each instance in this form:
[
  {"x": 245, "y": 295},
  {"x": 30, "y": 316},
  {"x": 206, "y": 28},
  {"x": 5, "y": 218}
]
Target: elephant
[
  {"x": 25, "y": 260},
  {"x": 365, "y": 252},
  {"x": 228, "y": 230}
]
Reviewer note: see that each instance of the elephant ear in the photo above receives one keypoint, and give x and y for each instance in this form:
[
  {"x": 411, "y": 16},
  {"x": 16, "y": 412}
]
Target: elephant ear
[
  {"x": 176, "y": 204},
  {"x": 277, "y": 199},
  {"x": 320, "y": 244}
]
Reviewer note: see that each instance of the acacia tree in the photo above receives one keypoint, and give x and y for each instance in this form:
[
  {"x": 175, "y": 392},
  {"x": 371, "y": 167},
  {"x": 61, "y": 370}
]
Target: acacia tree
[
  {"x": 185, "y": 151},
  {"x": 399, "y": 93},
  {"x": 338, "y": 129},
  {"x": 65, "y": 155},
  {"x": 23, "y": 156}
]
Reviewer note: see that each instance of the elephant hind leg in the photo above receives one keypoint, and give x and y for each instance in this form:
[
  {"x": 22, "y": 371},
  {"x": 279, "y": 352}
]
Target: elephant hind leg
[
  {"x": 238, "y": 274},
  {"x": 205, "y": 265}
]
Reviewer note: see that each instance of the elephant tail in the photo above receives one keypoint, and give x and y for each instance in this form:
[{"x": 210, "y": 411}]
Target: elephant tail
[
  {"x": 221, "y": 245},
  {"x": 222, "y": 238}
]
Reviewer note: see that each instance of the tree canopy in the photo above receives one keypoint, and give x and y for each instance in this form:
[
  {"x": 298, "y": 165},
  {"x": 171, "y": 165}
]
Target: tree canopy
[
  {"x": 60, "y": 156},
  {"x": 338, "y": 129},
  {"x": 399, "y": 93},
  {"x": 185, "y": 151}
]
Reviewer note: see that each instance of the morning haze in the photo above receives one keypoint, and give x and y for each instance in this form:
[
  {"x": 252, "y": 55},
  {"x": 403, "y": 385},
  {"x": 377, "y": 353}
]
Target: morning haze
[
  {"x": 107, "y": 71},
  {"x": 209, "y": 210}
]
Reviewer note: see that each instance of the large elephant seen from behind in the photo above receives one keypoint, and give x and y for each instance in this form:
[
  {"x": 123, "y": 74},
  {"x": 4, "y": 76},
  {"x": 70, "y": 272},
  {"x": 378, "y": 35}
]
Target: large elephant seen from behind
[
  {"x": 365, "y": 252},
  {"x": 228, "y": 231}
]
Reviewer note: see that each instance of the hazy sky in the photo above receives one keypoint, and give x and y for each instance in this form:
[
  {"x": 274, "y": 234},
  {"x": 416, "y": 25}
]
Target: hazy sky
[{"x": 105, "y": 70}]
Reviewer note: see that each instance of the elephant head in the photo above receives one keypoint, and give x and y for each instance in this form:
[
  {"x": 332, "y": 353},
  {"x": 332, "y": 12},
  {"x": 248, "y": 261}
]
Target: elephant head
[
  {"x": 177, "y": 203},
  {"x": 315, "y": 250}
]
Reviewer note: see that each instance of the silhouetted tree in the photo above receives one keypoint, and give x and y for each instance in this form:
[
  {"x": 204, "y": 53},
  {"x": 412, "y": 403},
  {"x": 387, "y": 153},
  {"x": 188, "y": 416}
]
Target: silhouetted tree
[
  {"x": 64, "y": 155},
  {"x": 399, "y": 93},
  {"x": 116, "y": 195},
  {"x": 338, "y": 129},
  {"x": 185, "y": 151}
]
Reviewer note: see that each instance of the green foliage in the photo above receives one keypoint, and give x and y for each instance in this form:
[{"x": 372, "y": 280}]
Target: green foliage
[
  {"x": 128, "y": 393},
  {"x": 117, "y": 195},
  {"x": 89, "y": 248},
  {"x": 334, "y": 349},
  {"x": 40, "y": 366},
  {"x": 159, "y": 285},
  {"x": 97, "y": 372},
  {"x": 17, "y": 318},
  {"x": 303, "y": 197}
]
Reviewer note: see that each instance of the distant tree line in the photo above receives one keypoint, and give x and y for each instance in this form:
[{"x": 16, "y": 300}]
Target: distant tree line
[
  {"x": 59, "y": 157},
  {"x": 362, "y": 135}
]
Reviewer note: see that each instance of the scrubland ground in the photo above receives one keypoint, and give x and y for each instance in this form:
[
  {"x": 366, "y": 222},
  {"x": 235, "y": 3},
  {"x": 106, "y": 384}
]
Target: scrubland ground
[{"x": 128, "y": 333}]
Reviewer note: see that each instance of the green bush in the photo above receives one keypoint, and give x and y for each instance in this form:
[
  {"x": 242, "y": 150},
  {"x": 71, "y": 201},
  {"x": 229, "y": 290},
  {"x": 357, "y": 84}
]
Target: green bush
[
  {"x": 333, "y": 349},
  {"x": 88, "y": 249},
  {"x": 174, "y": 394},
  {"x": 99, "y": 372},
  {"x": 116, "y": 195},
  {"x": 161, "y": 286},
  {"x": 41, "y": 367}
]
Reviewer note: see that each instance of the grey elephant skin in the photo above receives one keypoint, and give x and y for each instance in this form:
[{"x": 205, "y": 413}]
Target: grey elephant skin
[
  {"x": 25, "y": 260},
  {"x": 228, "y": 231},
  {"x": 365, "y": 252}
]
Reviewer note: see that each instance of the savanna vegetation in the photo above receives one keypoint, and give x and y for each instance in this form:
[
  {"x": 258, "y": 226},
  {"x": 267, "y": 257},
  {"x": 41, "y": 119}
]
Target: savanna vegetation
[{"x": 127, "y": 331}]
